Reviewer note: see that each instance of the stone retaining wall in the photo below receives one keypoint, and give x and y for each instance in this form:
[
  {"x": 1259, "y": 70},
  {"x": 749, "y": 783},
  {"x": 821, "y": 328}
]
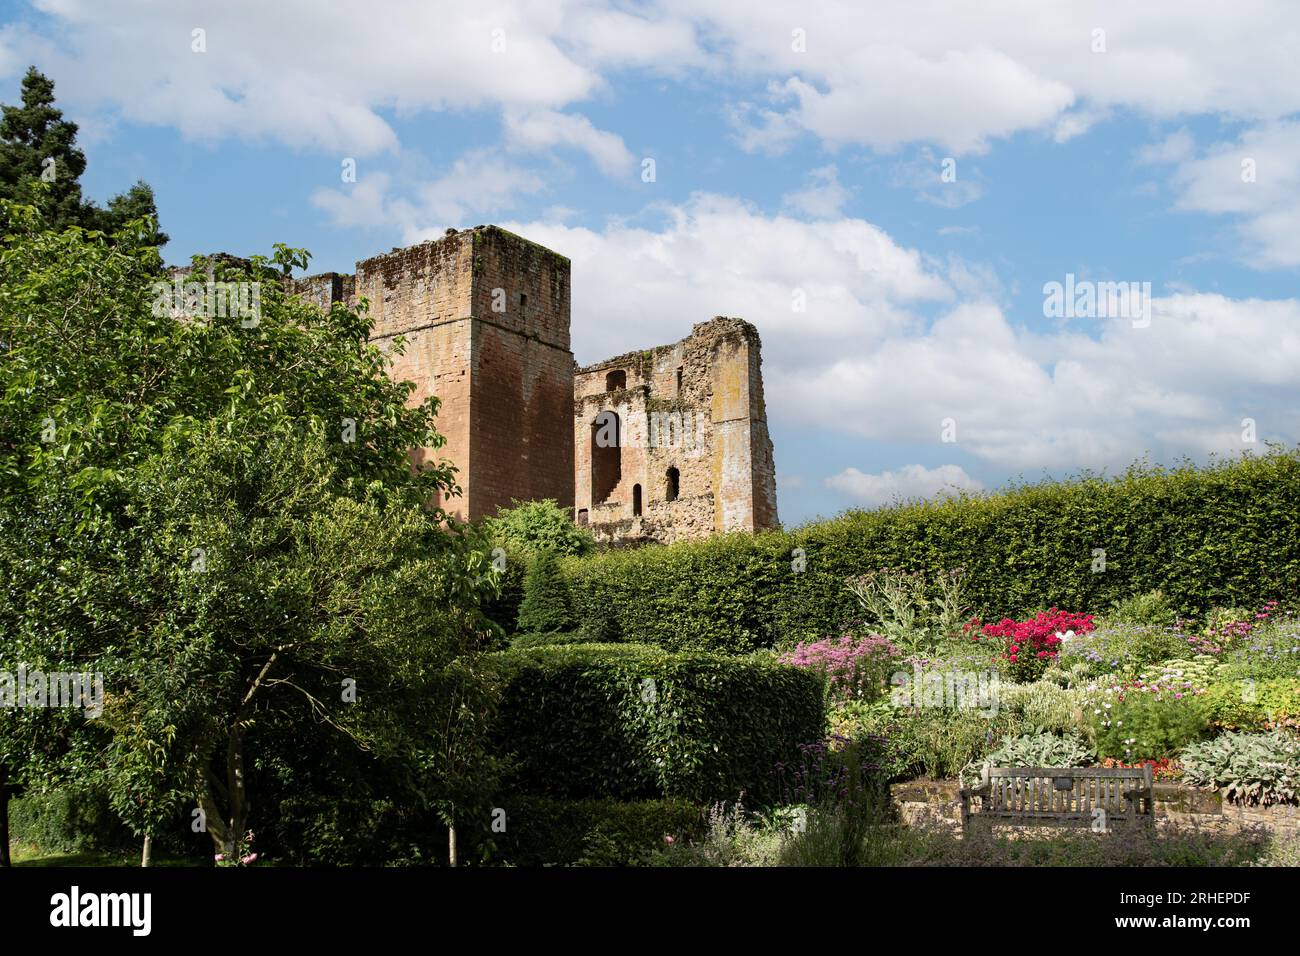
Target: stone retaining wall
[{"x": 938, "y": 802}]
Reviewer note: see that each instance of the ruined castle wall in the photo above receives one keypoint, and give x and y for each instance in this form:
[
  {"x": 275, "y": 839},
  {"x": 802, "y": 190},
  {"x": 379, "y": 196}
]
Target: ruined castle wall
[{"x": 694, "y": 408}]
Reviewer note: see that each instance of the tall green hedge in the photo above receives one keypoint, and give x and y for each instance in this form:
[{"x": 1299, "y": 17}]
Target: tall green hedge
[
  {"x": 634, "y": 722},
  {"x": 1228, "y": 534}
]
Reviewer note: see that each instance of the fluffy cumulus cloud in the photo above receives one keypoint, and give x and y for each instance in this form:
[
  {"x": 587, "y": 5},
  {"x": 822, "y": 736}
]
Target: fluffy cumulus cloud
[
  {"x": 478, "y": 182},
  {"x": 890, "y": 348},
  {"x": 946, "y": 72},
  {"x": 811, "y": 284},
  {"x": 1257, "y": 179},
  {"x": 910, "y": 481}
]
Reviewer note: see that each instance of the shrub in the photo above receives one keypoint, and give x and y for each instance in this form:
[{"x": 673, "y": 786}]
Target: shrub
[
  {"x": 855, "y": 668},
  {"x": 1248, "y": 704},
  {"x": 1151, "y": 609},
  {"x": 915, "y": 614},
  {"x": 1269, "y": 651},
  {"x": 1029, "y": 646},
  {"x": 1041, "y": 707},
  {"x": 1122, "y": 649},
  {"x": 1146, "y": 718},
  {"x": 1227, "y": 534},
  {"x": 630, "y": 721},
  {"x": 546, "y": 606},
  {"x": 1035, "y": 750},
  {"x": 524, "y": 641},
  {"x": 68, "y": 820},
  {"x": 536, "y": 526},
  {"x": 937, "y": 742},
  {"x": 731, "y": 838},
  {"x": 1248, "y": 768},
  {"x": 544, "y": 831}
]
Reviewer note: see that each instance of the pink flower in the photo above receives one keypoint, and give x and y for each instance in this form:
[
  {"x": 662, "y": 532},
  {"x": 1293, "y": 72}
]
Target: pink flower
[
  {"x": 248, "y": 859},
  {"x": 669, "y": 840},
  {"x": 220, "y": 857}
]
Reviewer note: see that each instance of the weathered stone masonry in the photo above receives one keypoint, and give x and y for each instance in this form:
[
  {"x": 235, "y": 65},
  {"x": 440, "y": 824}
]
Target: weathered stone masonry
[
  {"x": 485, "y": 318},
  {"x": 692, "y": 455}
]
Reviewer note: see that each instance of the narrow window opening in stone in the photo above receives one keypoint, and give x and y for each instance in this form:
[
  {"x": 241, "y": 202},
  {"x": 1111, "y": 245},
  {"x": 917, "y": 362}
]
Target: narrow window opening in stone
[
  {"x": 615, "y": 381},
  {"x": 523, "y": 301},
  {"x": 679, "y": 381},
  {"x": 606, "y": 456},
  {"x": 674, "y": 484},
  {"x": 583, "y": 517},
  {"x": 636, "y": 501}
]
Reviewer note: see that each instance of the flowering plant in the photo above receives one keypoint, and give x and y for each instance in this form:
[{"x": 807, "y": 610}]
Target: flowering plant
[
  {"x": 1027, "y": 647},
  {"x": 1162, "y": 769},
  {"x": 1227, "y": 626},
  {"x": 856, "y": 668},
  {"x": 1146, "y": 718}
]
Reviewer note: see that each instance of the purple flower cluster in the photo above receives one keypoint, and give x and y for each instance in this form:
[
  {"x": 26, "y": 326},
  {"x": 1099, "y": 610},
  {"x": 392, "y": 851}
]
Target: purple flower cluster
[{"x": 855, "y": 667}]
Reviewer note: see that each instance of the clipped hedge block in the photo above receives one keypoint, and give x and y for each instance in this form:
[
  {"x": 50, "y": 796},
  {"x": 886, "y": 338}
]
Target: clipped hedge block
[{"x": 631, "y": 722}]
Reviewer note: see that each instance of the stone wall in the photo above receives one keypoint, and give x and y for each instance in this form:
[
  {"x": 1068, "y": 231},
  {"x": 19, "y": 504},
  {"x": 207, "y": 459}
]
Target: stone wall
[
  {"x": 484, "y": 316},
  {"x": 692, "y": 455},
  {"x": 938, "y": 802}
]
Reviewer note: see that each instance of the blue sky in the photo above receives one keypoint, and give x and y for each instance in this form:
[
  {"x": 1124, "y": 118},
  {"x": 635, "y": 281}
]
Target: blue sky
[{"x": 799, "y": 150}]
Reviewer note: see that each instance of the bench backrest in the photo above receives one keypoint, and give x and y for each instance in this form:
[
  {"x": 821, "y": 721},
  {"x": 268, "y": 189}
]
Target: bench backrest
[{"x": 1068, "y": 792}]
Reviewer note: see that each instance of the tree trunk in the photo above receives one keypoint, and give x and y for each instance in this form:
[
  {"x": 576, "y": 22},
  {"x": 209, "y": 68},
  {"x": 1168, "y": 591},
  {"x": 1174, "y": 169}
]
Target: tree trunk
[
  {"x": 146, "y": 855},
  {"x": 4, "y": 816},
  {"x": 451, "y": 843}
]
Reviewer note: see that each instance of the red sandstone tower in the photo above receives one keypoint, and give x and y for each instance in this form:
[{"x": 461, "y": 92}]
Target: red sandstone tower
[{"x": 485, "y": 318}]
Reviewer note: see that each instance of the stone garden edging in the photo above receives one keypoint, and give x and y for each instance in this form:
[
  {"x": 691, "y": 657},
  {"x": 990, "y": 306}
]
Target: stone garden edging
[{"x": 937, "y": 802}]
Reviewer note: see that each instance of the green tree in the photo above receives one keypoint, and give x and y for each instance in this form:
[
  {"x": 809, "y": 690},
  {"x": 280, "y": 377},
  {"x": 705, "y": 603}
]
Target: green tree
[
  {"x": 546, "y": 606},
  {"x": 221, "y": 518},
  {"x": 533, "y": 526},
  {"x": 41, "y": 165}
]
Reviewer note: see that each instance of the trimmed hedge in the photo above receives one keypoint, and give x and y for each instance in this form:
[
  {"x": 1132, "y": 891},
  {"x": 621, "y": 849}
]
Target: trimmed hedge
[
  {"x": 524, "y": 641},
  {"x": 542, "y": 830},
  {"x": 68, "y": 820},
  {"x": 628, "y": 721},
  {"x": 1228, "y": 534}
]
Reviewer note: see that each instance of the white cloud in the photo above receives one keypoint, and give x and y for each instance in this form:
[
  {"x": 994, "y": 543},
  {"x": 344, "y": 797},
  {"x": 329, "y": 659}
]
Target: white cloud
[
  {"x": 823, "y": 197},
  {"x": 479, "y": 182},
  {"x": 945, "y": 181},
  {"x": 1174, "y": 148},
  {"x": 1257, "y": 178},
  {"x": 908, "y": 482},
  {"x": 324, "y": 73},
  {"x": 716, "y": 255},
  {"x": 543, "y": 129},
  {"x": 864, "y": 360}
]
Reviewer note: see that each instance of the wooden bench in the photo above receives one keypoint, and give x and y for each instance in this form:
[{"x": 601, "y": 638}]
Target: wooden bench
[{"x": 1068, "y": 797}]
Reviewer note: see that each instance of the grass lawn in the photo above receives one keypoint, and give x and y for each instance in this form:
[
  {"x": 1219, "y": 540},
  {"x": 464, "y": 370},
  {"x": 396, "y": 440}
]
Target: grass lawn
[{"x": 30, "y": 855}]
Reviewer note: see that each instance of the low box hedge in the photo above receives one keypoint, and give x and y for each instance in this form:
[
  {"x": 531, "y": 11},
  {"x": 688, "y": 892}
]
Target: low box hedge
[{"x": 629, "y": 721}]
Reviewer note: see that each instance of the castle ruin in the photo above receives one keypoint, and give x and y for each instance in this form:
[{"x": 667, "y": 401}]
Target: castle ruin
[{"x": 661, "y": 445}]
